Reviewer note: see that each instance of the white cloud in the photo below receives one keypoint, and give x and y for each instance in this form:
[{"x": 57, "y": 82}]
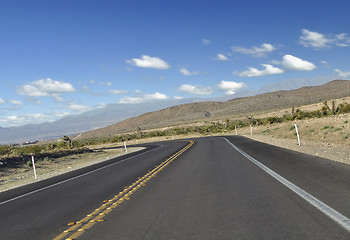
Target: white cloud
[
  {"x": 221, "y": 57},
  {"x": 16, "y": 102},
  {"x": 2, "y": 101},
  {"x": 149, "y": 62},
  {"x": 205, "y": 41},
  {"x": 290, "y": 62},
  {"x": 131, "y": 100},
  {"x": 230, "y": 87},
  {"x": 255, "y": 51},
  {"x": 178, "y": 97},
  {"x": 61, "y": 114},
  {"x": 319, "y": 40},
  {"x": 185, "y": 72},
  {"x": 117, "y": 92},
  {"x": 16, "y": 120},
  {"x": 197, "y": 90},
  {"x": 92, "y": 81},
  {"x": 342, "y": 74},
  {"x": 253, "y": 72},
  {"x": 342, "y": 40},
  {"x": 155, "y": 96},
  {"x": 101, "y": 105},
  {"x": 313, "y": 39},
  {"x": 143, "y": 98},
  {"x": 108, "y": 84},
  {"x": 45, "y": 87},
  {"x": 78, "y": 108},
  {"x": 325, "y": 63}
]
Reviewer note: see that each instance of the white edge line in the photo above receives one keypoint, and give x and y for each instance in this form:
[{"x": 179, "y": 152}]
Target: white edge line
[
  {"x": 73, "y": 178},
  {"x": 330, "y": 212}
]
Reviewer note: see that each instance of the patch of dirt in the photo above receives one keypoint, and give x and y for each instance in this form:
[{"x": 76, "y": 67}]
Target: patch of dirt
[
  {"x": 327, "y": 137},
  {"x": 22, "y": 175}
]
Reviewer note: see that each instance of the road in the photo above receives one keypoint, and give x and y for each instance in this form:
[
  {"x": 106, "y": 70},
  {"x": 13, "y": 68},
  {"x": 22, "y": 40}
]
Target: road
[{"x": 208, "y": 191}]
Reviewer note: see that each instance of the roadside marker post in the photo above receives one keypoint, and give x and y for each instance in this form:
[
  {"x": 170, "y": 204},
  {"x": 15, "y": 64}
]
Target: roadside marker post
[
  {"x": 296, "y": 129},
  {"x": 251, "y": 130},
  {"x": 236, "y": 130},
  {"x": 34, "y": 167},
  {"x": 126, "y": 150}
]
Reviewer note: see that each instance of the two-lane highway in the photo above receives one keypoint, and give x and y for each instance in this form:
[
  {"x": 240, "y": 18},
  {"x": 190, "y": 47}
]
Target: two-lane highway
[
  {"x": 43, "y": 210},
  {"x": 210, "y": 191}
]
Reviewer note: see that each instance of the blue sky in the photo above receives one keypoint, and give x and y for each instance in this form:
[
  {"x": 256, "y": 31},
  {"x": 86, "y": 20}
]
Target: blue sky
[{"x": 59, "y": 58}]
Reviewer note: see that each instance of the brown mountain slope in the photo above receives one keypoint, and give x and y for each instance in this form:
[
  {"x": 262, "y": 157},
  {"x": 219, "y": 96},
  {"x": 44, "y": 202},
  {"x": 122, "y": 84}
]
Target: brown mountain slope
[{"x": 192, "y": 112}]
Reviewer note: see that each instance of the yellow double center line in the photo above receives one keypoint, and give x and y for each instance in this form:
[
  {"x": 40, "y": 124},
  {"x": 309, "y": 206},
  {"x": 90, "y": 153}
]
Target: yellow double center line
[{"x": 78, "y": 228}]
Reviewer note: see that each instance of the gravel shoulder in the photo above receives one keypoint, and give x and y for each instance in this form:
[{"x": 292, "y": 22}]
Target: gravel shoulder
[
  {"x": 327, "y": 137},
  {"x": 16, "y": 177},
  {"x": 338, "y": 153}
]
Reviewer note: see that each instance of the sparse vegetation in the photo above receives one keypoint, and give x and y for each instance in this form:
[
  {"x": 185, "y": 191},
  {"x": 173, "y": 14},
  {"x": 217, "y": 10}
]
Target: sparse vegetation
[
  {"x": 68, "y": 146},
  {"x": 266, "y": 131},
  {"x": 29, "y": 163}
]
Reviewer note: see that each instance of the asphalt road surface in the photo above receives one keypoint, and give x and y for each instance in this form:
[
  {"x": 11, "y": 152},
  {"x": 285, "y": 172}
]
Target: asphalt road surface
[{"x": 218, "y": 188}]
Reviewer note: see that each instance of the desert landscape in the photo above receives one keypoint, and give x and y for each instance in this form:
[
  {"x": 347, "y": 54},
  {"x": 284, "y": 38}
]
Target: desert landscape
[{"x": 327, "y": 137}]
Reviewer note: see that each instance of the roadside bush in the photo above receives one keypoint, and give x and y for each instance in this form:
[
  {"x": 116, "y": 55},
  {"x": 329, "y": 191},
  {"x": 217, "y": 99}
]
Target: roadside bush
[
  {"x": 29, "y": 163},
  {"x": 5, "y": 150},
  {"x": 271, "y": 120},
  {"x": 30, "y": 150},
  {"x": 344, "y": 108}
]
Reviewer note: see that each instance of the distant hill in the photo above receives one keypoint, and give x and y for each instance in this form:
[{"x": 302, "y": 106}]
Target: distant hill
[
  {"x": 75, "y": 124},
  {"x": 174, "y": 112},
  {"x": 201, "y": 111}
]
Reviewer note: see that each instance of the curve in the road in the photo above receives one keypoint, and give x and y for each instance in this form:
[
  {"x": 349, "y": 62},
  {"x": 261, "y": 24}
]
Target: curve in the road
[{"x": 79, "y": 227}]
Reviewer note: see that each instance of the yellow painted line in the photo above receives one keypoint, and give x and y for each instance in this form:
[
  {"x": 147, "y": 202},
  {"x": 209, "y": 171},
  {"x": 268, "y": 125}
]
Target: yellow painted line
[{"x": 96, "y": 216}]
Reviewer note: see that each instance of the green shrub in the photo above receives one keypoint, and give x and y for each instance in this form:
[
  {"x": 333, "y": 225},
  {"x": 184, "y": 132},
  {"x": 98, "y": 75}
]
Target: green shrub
[
  {"x": 5, "y": 150},
  {"x": 344, "y": 108},
  {"x": 271, "y": 120},
  {"x": 29, "y": 163}
]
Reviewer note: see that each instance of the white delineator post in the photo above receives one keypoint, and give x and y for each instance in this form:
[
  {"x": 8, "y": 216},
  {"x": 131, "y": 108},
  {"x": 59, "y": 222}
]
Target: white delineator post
[
  {"x": 126, "y": 150},
  {"x": 296, "y": 129},
  {"x": 251, "y": 130},
  {"x": 236, "y": 130},
  {"x": 34, "y": 167}
]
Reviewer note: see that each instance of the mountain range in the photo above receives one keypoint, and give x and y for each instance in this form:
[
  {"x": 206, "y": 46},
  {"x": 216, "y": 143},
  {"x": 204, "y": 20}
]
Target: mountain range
[
  {"x": 238, "y": 107},
  {"x": 118, "y": 118}
]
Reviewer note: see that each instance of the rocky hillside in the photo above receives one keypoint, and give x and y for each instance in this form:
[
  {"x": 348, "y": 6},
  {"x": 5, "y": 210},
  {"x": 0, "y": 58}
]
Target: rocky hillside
[{"x": 207, "y": 111}]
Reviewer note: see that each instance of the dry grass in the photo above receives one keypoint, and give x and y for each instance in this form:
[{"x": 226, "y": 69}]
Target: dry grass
[{"x": 325, "y": 137}]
